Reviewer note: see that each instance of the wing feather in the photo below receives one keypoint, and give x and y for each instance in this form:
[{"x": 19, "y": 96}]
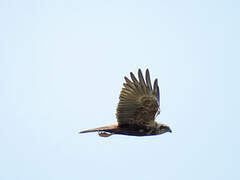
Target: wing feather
[
  {"x": 148, "y": 80},
  {"x": 138, "y": 101},
  {"x": 135, "y": 81},
  {"x": 156, "y": 89},
  {"x": 141, "y": 81}
]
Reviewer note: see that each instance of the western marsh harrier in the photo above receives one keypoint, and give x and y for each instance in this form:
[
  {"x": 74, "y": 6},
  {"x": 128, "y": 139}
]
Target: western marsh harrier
[{"x": 137, "y": 109}]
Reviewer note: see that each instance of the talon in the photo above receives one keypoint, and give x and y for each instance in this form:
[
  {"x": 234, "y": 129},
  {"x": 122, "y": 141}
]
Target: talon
[{"x": 104, "y": 134}]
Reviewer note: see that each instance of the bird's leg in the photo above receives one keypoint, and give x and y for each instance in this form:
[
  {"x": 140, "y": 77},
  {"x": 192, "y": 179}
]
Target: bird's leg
[{"x": 104, "y": 134}]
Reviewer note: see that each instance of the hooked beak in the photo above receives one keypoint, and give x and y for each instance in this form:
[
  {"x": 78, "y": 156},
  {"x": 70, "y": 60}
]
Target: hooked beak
[{"x": 170, "y": 130}]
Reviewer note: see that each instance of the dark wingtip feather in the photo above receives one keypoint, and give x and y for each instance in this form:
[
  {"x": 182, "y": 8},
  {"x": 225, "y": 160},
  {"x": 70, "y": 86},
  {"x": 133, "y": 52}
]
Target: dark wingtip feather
[
  {"x": 127, "y": 80},
  {"x": 155, "y": 84},
  {"x": 141, "y": 80},
  {"x": 148, "y": 80},
  {"x": 156, "y": 88},
  {"x": 133, "y": 78}
]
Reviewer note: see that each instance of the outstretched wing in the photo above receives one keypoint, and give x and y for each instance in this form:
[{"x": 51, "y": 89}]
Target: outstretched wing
[{"x": 138, "y": 102}]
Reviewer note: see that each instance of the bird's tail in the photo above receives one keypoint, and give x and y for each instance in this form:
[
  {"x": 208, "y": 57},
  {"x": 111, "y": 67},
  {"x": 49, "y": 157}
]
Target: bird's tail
[{"x": 104, "y": 128}]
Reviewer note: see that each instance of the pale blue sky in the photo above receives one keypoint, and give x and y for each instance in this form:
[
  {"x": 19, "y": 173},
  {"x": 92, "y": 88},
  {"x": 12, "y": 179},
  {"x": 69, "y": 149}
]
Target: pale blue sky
[{"x": 62, "y": 65}]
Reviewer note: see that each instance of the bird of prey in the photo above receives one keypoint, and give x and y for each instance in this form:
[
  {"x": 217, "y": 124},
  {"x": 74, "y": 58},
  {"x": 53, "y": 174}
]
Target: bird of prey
[{"x": 137, "y": 109}]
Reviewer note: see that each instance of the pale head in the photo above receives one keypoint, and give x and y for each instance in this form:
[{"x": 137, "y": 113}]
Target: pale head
[{"x": 162, "y": 128}]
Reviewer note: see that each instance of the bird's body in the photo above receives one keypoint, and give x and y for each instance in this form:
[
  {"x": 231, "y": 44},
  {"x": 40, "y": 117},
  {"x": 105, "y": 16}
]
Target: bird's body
[{"x": 137, "y": 108}]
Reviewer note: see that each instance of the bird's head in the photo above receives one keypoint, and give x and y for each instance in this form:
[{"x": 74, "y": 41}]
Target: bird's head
[{"x": 162, "y": 128}]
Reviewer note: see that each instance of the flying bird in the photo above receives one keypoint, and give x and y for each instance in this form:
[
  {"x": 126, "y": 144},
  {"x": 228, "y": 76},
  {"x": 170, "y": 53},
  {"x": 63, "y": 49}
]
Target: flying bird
[{"x": 137, "y": 109}]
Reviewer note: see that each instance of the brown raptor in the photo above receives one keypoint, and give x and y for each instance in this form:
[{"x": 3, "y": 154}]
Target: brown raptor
[{"x": 137, "y": 109}]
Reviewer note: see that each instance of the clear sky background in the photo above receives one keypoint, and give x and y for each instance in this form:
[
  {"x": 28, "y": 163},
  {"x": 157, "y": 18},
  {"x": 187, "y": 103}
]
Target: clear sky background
[{"x": 62, "y": 65}]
